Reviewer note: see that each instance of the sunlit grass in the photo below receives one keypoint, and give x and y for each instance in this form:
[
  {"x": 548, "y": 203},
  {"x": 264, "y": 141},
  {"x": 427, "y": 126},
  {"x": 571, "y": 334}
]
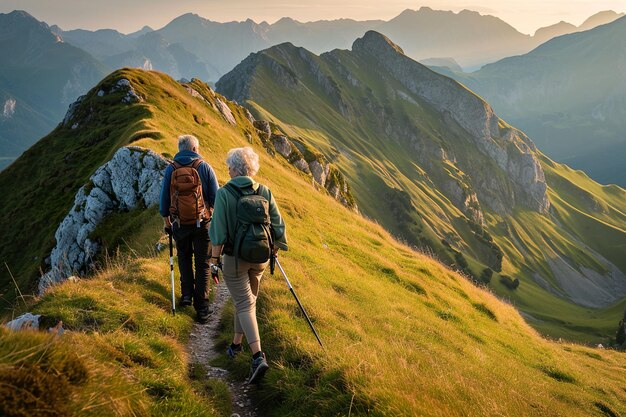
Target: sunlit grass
[{"x": 403, "y": 335}]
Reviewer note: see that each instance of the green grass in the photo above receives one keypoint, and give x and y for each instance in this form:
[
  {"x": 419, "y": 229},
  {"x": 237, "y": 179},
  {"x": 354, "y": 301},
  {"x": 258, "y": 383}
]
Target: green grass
[
  {"x": 123, "y": 353},
  {"x": 404, "y": 335}
]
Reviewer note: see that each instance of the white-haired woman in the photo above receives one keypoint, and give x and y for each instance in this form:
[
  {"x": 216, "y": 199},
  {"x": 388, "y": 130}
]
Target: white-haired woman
[{"x": 241, "y": 277}]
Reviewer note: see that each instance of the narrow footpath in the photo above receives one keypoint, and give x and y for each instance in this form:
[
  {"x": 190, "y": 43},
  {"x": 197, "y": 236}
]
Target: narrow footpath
[{"x": 201, "y": 350}]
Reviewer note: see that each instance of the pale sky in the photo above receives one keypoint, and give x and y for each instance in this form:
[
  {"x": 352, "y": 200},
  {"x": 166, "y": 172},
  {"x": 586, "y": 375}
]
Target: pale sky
[{"x": 130, "y": 15}]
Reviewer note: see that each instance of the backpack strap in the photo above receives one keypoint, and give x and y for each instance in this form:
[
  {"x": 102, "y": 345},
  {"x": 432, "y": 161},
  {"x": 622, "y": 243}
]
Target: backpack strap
[
  {"x": 234, "y": 190},
  {"x": 196, "y": 163}
]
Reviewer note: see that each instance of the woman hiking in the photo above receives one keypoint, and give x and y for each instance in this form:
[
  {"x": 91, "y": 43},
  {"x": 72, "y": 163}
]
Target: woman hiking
[{"x": 243, "y": 276}]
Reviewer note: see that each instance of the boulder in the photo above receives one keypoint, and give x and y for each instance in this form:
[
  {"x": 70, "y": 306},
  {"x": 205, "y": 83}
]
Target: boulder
[
  {"x": 263, "y": 126},
  {"x": 27, "y": 321}
]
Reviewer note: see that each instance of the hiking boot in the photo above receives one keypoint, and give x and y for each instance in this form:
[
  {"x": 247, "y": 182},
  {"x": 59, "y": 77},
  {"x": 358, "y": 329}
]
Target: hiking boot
[
  {"x": 185, "y": 301},
  {"x": 233, "y": 350},
  {"x": 259, "y": 367},
  {"x": 203, "y": 315}
]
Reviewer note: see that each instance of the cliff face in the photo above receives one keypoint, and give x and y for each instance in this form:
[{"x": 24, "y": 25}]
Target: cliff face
[{"x": 510, "y": 149}]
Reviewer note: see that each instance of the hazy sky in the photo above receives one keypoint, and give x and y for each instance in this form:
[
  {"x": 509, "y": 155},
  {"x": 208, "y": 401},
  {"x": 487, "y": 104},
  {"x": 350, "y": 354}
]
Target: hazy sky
[{"x": 130, "y": 15}]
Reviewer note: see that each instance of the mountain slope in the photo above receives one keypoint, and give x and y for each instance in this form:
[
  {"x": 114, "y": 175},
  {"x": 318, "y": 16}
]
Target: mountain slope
[
  {"x": 569, "y": 95},
  {"x": 386, "y": 313},
  {"x": 39, "y": 77},
  {"x": 433, "y": 164}
]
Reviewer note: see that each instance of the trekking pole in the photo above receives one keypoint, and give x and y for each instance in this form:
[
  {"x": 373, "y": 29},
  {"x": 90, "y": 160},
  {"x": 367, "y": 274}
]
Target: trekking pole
[
  {"x": 172, "y": 275},
  {"x": 297, "y": 300}
]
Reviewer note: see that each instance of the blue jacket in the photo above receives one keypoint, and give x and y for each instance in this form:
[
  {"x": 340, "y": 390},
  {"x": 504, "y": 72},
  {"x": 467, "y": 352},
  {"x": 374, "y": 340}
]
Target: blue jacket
[{"x": 207, "y": 176}]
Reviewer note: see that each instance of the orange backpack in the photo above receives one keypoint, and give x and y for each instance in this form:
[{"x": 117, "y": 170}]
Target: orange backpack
[{"x": 187, "y": 204}]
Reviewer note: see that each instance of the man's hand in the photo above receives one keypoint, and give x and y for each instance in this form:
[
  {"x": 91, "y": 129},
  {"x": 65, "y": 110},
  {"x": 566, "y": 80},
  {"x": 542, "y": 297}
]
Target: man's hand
[
  {"x": 167, "y": 227},
  {"x": 215, "y": 269}
]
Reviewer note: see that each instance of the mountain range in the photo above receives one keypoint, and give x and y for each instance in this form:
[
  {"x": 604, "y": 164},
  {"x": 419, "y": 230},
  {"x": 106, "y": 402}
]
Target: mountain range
[
  {"x": 187, "y": 47},
  {"x": 476, "y": 39},
  {"x": 433, "y": 163},
  {"x": 569, "y": 95}
]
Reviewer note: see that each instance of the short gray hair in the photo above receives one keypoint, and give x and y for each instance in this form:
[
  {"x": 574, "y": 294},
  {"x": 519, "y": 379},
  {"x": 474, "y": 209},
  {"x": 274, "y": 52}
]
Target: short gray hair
[
  {"x": 244, "y": 161},
  {"x": 187, "y": 142}
]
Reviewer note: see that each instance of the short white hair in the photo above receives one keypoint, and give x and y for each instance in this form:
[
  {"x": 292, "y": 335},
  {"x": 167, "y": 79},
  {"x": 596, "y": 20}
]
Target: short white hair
[
  {"x": 188, "y": 142},
  {"x": 243, "y": 161}
]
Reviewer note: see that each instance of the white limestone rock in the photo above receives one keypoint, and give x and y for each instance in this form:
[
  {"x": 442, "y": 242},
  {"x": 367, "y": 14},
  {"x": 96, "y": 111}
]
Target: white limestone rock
[
  {"x": 131, "y": 95},
  {"x": 27, "y": 321},
  {"x": 225, "y": 111},
  {"x": 132, "y": 178}
]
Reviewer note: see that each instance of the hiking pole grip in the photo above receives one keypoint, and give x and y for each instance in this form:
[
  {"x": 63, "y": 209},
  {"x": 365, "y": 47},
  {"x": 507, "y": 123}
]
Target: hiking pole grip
[
  {"x": 299, "y": 303},
  {"x": 172, "y": 275}
]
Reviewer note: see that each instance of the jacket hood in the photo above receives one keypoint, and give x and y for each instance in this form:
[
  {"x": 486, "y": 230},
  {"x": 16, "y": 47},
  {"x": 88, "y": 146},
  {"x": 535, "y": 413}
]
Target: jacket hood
[
  {"x": 244, "y": 182},
  {"x": 186, "y": 157}
]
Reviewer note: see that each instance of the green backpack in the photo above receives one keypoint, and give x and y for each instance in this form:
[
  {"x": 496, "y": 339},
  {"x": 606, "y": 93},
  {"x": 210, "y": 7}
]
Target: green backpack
[{"x": 254, "y": 236}]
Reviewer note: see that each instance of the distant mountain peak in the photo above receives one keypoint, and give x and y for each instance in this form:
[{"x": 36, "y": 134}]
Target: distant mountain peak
[
  {"x": 374, "y": 42},
  {"x": 600, "y": 18},
  {"x": 285, "y": 20},
  {"x": 188, "y": 18},
  {"x": 142, "y": 31},
  {"x": 21, "y": 13}
]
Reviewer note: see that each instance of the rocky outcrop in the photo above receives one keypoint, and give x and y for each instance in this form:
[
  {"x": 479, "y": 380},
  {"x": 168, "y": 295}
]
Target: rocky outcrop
[
  {"x": 225, "y": 111},
  {"x": 71, "y": 111},
  {"x": 125, "y": 86},
  {"x": 27, "y": 321},
  {"x": 302, "y": 157},
  {"x": 263, "y": 126},
  {"x": 131, "y": 179},
  {"x": 130, "y": 96},
  {"x": 465, "y": 199},
  {"x": 512, "y": 151}
]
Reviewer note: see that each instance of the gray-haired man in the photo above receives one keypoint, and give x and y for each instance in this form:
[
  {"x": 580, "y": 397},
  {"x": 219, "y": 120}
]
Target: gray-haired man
[{"x": 192, "y": 239}]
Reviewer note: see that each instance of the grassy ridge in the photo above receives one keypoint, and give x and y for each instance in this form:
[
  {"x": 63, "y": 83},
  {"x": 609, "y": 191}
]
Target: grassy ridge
[{"x": 403, "y": 334}]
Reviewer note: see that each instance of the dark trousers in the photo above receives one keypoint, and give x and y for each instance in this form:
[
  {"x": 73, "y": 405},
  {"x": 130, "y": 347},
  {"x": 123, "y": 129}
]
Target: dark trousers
[{"x": 193, "y": 242}]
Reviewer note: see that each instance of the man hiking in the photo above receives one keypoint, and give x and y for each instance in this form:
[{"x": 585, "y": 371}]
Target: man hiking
[
  {"x": 248, "y": 227},
  {"x": 187, "y": 198}
]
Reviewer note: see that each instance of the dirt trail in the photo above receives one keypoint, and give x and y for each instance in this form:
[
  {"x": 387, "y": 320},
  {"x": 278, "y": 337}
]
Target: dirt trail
[{"x": 201, "y": 351}]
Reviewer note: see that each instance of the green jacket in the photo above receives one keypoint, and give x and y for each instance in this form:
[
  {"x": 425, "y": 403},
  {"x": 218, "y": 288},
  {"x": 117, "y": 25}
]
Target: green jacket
[{"x": 224, "y": 220}]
